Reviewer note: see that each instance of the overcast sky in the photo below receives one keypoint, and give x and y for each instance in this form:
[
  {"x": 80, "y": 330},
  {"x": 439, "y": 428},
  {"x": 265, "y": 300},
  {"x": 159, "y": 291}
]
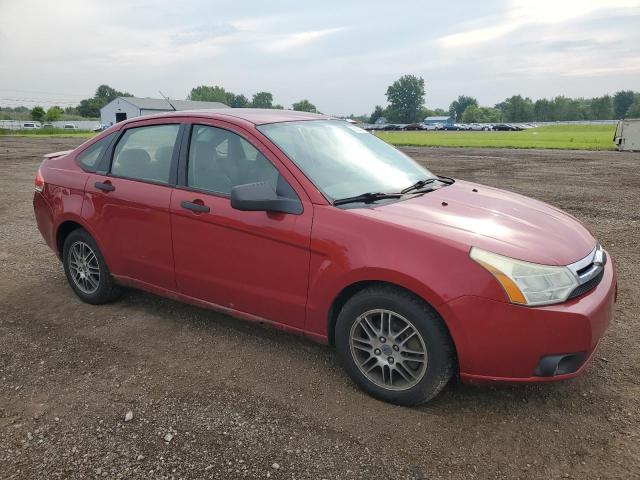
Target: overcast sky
[{"x": 339, "y": 54}]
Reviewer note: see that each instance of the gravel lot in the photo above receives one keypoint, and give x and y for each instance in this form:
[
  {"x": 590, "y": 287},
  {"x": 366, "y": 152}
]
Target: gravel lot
[{"x": 213, "y": 397}]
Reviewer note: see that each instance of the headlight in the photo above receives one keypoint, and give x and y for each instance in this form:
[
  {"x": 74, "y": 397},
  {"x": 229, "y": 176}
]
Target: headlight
[{"x": 527, "y": 283}]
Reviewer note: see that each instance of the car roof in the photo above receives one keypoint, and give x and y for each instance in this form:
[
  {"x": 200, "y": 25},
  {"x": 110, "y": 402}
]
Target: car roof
[{"x": 257, "y": 116}]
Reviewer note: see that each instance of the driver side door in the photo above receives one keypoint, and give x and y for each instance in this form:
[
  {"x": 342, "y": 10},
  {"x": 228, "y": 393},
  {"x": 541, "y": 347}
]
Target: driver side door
[{"x": 253, "y": 262}]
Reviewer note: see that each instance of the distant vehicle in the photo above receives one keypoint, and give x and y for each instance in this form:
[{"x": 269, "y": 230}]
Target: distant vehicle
[
  {"x": 70, "y": 126},
  {"x": 414, "y": 126},
  {"x": 451, "y": 126},
  {"x": 432, "y": 126},
  {"x": 479, "y": 127},
  {"x": 627, "y": 136},
  {"x": 48, "y": 125},
  {"x": 506, "y": 127},
  {"x": 100, "y": 127},
  {"x": 392, "y": 126},
  {"x": 31, "y": 125}
]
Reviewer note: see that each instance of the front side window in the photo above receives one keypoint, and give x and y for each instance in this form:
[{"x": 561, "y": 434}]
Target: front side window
[
  {"x": 91, "y": 156},
  {"x": 343, "y": 160},
  {"x": 220, "y": 160},
  {"x": 144, "y": 153}
]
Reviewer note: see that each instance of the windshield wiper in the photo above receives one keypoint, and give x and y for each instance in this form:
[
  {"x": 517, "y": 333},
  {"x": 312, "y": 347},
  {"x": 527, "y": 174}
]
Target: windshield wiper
[
  {"x": 447, "y": 180},
  {"x": 418, "y": 185},
  {"x": 373, "y": 196},
  {"x": 366, "y": 198},
  {"x": 422, "y": 183}
]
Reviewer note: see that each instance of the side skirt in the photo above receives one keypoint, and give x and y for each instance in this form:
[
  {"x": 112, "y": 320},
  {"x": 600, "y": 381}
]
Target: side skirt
[{"x": 137, "y": 284}]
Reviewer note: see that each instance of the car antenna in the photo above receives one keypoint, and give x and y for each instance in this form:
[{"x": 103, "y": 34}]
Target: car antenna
[{"x": 167, "y": 99}]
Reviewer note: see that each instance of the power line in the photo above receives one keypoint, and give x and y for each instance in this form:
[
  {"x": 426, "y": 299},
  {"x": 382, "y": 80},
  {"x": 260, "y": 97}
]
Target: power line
[
  {"x": 69, "y": 95},
  {"x": 40, "y": 100}
]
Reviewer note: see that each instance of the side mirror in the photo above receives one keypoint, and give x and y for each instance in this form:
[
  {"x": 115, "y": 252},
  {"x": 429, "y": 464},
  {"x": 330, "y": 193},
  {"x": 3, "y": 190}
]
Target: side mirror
[{"x": 261, "y": 197}]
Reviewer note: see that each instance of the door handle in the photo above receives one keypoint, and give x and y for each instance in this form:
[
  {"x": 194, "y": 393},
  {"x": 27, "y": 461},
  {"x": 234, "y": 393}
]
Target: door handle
[
  {"x": 195, "y": 207},
  {"x": 105, "y": 186}
]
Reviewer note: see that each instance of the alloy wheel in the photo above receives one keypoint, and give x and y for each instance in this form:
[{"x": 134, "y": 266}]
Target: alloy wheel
[
  {"x": 388, "y": 349},
  {"x": 84, "y": 267}
]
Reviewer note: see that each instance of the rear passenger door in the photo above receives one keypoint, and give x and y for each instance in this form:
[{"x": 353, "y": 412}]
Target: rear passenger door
[
  {"x": 127, "y": 204},
  {"x": 252, "y": 262}
]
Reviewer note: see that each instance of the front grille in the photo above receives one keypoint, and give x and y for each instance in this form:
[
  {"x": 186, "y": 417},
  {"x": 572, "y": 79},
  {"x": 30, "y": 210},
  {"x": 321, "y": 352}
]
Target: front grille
[{"x": 585, "y": 287}]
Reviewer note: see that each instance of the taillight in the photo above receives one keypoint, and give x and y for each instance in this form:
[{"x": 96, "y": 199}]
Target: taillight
[{"x": 39, "y": 182}]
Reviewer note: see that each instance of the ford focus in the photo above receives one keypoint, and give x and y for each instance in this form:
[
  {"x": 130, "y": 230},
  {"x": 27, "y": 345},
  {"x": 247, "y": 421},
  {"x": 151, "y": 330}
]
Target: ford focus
[{"x": 317, "y": 227}]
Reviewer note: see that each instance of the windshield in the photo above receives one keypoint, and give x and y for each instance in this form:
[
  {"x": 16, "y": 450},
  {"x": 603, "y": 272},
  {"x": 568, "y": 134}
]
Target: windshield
[{"x": 343, "y": 160}]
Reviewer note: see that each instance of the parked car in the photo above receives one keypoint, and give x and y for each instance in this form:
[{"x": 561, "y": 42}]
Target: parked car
[
  {"x": 433, "y": 126},
  {"x": 479, "y": 127},
  {"x": 48, "y": 125},
  {"x": 100, "y": 128},
  {"x": 31, "y": 125},
  {"x": 392, "y": 126},
  {"x": 414, "y": 126},
  {"x": 451, "y": 126},
  {"x": 506, "y": 127},
  {"x": 319, "y": 228},
  {"x": 69, "y": 126}
]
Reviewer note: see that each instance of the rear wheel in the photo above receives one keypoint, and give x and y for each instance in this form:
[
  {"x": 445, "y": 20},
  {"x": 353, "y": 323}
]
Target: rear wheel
[
  {"x": 86, "y": 270},
  {"x": 394, "y": 346}
]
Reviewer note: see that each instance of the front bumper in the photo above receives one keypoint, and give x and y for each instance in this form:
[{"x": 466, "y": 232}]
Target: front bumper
[{"x": 502, "y": 342}]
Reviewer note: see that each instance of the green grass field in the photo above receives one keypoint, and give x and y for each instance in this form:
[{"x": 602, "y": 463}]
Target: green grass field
[
  {"x": 575, "y": 137},
  {"x": 48, "y": 132}
]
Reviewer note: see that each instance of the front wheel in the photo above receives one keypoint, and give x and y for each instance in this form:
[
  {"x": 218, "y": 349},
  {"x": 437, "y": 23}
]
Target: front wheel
[
  {"x": 394, "y": 346},
  {"x": 86, "y": 270}
]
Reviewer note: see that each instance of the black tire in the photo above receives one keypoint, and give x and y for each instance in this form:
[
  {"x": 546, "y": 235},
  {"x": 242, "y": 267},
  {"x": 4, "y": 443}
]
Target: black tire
[
  {"x": 440, "y": 352},
  {"x": 106, "y": 290}
]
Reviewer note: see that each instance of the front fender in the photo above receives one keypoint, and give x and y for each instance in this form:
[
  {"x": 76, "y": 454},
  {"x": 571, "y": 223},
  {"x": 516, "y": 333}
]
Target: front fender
[{"x": 347, "y": 248}]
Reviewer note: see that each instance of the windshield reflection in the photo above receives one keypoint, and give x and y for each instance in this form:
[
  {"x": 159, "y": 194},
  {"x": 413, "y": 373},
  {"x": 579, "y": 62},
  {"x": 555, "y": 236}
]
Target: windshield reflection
[{"x": 342, "y": 160}]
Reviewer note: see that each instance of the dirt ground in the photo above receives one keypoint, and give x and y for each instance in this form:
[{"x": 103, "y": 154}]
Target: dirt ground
[{"x": 242, "y": 401}]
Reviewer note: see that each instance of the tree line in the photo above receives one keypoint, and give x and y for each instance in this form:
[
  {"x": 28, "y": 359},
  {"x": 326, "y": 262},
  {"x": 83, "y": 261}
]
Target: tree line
[
  {"x": 623, "y": 104},
  {"x": 90, "y": 107},
  {"x": 406, "y": 105},
  {"x": 216, "y": 93}
]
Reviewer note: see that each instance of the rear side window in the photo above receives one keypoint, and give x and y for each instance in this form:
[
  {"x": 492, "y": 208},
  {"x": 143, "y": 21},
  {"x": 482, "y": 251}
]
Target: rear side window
[
  {"x": 91, "y": 156},
  {"x": 144, "y": 153}
]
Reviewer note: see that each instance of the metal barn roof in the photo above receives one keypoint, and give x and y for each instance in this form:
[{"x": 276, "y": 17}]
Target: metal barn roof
[{"x": 162, "y": 104}]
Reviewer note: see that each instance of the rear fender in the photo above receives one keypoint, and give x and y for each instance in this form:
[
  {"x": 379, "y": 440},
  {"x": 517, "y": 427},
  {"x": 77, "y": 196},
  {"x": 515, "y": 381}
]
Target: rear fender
[{"x": 72, "y": 217}]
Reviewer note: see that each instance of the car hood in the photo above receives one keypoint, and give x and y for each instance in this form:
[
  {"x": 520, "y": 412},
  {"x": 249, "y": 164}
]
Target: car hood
[{"x": 506, "y": 223}]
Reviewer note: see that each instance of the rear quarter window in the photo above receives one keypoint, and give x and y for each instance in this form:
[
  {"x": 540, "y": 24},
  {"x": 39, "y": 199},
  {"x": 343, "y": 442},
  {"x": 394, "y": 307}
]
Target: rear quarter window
[{"x": 90, "y": 157}]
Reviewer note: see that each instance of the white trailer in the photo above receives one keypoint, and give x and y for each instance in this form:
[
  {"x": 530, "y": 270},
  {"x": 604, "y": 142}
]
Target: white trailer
[{"x": 627, "y": 136}]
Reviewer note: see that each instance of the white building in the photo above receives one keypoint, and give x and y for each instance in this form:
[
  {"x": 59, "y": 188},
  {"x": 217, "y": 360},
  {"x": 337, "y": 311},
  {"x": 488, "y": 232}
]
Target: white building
[
  {"x": 439, "y": 119},
  {"x": 123, "y": 108}
]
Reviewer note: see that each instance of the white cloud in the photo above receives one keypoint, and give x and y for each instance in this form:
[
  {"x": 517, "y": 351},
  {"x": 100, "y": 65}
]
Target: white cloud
[
  {"x": 298, "y": 39},
  {"x": 337, "y": 54},
  {"x": 522, "y": 13}
]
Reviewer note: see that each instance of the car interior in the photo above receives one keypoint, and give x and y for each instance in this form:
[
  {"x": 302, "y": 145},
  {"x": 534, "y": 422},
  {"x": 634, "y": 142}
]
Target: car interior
[{"x": 220, "y": 160}]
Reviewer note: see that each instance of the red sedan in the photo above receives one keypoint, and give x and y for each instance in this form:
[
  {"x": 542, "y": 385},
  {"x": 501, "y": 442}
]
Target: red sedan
[{"x": 318, "y": 227}]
